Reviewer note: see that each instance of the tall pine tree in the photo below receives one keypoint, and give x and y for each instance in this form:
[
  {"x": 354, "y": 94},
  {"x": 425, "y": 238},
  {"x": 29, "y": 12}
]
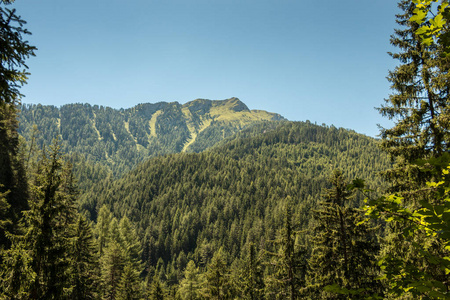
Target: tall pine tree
[
  {"x": 13, "y": 182},
  {"x": 190, "y": 285},
  {"x": 286, "y": 266},
  {"x": 421, "y": 132},
  {"x": 49, "y": 225},
  {"x": 344, "y": 248},
  {"x": 418, "y": 105},
  {"x": 84, "y": 263}
]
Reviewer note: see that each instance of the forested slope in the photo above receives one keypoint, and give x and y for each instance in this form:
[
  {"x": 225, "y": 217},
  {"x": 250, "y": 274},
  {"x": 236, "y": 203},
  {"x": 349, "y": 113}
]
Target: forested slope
[
  {"x": 119, "y": 139},
  {"x": 187, "y": 206}
]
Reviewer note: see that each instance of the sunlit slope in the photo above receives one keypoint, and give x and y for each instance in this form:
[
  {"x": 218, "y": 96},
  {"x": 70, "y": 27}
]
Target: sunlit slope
[
  {"x": 122, "y": 138},
  {"x": 235, "y": 193}
]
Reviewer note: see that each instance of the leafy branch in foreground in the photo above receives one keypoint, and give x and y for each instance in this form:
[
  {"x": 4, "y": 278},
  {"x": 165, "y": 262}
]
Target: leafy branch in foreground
[{"x": 426, "y": 228}]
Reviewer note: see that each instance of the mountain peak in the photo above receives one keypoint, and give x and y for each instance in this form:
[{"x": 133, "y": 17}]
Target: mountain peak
[{"x": 235, "y": 104}]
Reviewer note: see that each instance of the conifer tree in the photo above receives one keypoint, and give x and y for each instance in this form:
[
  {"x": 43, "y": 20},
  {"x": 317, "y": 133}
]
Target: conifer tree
[
  {"x": 49, "y": 225},
  {"x": 217, "y": 277},
  {"x": 4, "y": 208},
  {"x": 84, "y": 263},
  {"x": 344, "y": 247},
  {"x": 130, "y": 244},
  {"x": 13, "y": 182},
  {"x": 16, "y": 274},
  {"x": 129, "y": 285},
  {"x": 252, "y": 276},
  {"x": 112, "y": 265},
  {"x": 287, "y": 267},
  {"x": 421, "y": 132},
  {"x": 156, "y": 290},
  {"x": 102, "y": 230},
  {"x": 190, "y": 285},
  {"x": 418, "y": 105}
]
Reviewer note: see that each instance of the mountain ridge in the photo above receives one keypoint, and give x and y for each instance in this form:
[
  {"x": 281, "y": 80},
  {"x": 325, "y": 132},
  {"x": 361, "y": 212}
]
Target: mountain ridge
[{"x": 120, "y": 138}]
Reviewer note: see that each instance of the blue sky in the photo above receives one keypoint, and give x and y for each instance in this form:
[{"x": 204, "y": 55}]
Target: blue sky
[{"x": 323, "y": 61}]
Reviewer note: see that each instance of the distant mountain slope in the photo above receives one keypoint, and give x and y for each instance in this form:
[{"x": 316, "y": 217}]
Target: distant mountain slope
[
  {"x": 235, "y": 193},
  {"x": 119, "y": 139}
]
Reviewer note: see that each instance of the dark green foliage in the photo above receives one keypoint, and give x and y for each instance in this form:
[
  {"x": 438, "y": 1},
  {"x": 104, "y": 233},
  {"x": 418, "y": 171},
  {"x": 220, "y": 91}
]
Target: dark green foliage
[
  {"x": 418, "y": 104},
  {"x": 120, "y": 257},
  {"x": 129, "y": 285},
  {"x": 38, "y": 265},
  {"x": 190, "y": 286},
  {"x": 13, "y": 184},
  {"x": 119, "y": 139},
  {"x": 252, "y": 276},
  {"x": 229, "y": 196},
  {"x": 102, "y": 230},
  {"x": 4, "y": 209},
  {"x": 84, "y": 263},
  {"x": 416, "y": 142},
  {"x": 12, "y": 174},
  {"x": 15, "y": 50},
  {"x": 49, "y": 225},
  {"x": 112, "y": 265},
  {"x": 218, "y": 285},
  {"x": 344, "y": 248},
  {"x": 156, "y": 290},
  {"x": 285, "y": 272},
  {"x": 16, "y": 275}
]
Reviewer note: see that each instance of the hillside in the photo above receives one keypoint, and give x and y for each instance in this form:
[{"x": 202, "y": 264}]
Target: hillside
[
  {"x": 112, "y": 140},
  {"x": 235, "y": 194}
]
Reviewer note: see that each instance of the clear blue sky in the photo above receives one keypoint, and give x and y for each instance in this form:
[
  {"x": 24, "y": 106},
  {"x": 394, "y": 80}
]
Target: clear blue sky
[{"x": 323, "y": 61}]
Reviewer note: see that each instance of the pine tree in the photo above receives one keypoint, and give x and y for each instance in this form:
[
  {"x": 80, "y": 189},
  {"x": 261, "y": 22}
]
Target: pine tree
[
  {"x": 190, "y": 285},
  {"x": 421, "y": 132},
  {"x": 13, "y": 182},
  {"x": 217, "y": 281},
  {"x": 287, "y": 267},
  {"x": 84, "y": 263},
  {"x": 156, "y": 290},
  {"x": 130, "y": 244},
  {"x": 129, "y": 284},
  {"x": 418, "y": 105},
  {"x": 252, "y": 276},
  {"x": 112, "y": 265},
  {"x": 344, "y": 247},
  {"x": 102, "y": 228}
]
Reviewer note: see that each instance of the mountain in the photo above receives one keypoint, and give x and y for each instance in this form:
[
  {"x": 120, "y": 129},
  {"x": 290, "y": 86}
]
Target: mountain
[
  {"x": 191, "y": 204},
  {"x": 118, "y": 139}
]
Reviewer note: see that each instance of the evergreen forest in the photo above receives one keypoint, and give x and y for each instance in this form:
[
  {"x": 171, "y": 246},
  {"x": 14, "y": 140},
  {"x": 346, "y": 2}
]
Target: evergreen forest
[{"x": 211, "y": 200}]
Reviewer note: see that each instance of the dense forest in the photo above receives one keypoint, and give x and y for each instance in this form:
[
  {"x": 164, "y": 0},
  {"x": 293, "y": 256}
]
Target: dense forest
[
  {"x": 209, "y": 200},
  {"x": 119, "y": 139}
]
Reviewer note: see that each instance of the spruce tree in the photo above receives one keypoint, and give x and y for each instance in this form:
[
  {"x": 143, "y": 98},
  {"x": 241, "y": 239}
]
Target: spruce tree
[
  {"x": 286, "y": 266},
  {"x": 49, "y": 226},
  {"x": 130, "y": 244},
  {"x": 13, "y": 182},
  {"x": 252, "y": 275},
  {"x": 156, "y": 290},
  {"x": 217, "y": 277},
  {"x": 112, "y": 265},
  {"x": 129, "y": 285},
  {"x": 16, "y": 275},
  {"x": 420, "y": 110},
  {"x": 418, "y": 105},
  {"x": 344, "y": 248},
  {"x": 190, "y": 285},
  {"x": 84, "y": 263},
  {"x": 102, "y": 230}
]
